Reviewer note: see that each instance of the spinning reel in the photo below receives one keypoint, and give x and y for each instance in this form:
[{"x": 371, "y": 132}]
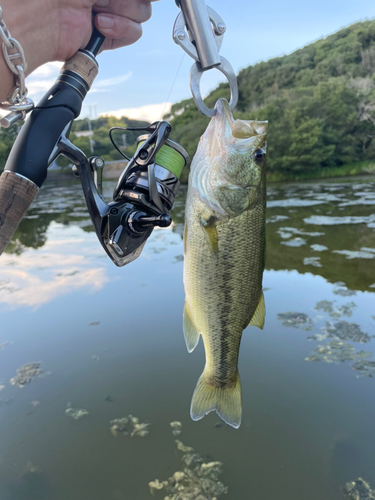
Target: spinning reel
[{"x": 143, "y": 196}]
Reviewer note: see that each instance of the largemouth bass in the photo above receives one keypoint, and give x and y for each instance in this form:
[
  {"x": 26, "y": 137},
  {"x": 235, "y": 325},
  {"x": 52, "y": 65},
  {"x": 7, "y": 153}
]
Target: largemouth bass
[{"x": 224, "y": 247}]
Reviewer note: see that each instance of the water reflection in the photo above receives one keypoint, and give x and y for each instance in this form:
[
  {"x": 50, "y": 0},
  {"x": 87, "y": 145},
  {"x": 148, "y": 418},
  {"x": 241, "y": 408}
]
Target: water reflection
[
  {"x": 310, "y": 424},
  {"x": 60, "y": 266},
  {"x": 347, "y": 247}
]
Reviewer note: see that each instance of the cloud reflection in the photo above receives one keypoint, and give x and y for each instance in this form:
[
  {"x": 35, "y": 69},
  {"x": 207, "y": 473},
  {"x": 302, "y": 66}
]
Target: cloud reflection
[{"x": 37, "y": 277}]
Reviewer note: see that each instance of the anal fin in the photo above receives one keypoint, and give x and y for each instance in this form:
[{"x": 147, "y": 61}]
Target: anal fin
[
  {"x": 260, "y": 313},
  {"x": 190, "y": 331}
]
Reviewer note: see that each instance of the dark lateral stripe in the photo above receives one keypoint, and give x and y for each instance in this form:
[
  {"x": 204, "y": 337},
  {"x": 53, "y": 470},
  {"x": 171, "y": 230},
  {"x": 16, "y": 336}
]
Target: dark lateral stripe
[{"x": 228, "y": 269}]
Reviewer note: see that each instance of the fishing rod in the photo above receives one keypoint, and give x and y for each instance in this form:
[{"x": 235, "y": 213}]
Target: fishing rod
[{"x": 147, "y": 187}]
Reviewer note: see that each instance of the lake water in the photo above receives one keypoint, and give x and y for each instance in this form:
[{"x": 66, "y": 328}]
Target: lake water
[{"x": 109, "y": 341}]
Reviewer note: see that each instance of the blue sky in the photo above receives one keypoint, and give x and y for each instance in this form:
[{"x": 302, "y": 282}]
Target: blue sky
[{"x": 138, "y": 78}]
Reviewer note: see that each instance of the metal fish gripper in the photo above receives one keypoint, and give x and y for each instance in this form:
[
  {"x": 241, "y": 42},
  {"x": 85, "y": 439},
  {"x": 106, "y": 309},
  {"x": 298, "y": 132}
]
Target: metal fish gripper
[{"x": 199, "y": 30}]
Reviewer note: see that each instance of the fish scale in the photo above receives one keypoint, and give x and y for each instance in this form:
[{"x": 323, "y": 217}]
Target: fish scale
[{"x": 224, "y": 256}]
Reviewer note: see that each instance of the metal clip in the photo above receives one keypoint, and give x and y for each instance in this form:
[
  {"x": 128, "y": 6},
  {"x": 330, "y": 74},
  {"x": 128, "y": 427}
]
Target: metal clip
[{"x": 199, "y": 30}]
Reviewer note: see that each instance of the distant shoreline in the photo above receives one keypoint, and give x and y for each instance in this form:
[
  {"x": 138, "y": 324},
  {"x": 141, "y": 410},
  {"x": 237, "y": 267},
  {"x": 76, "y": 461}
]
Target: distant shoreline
[{"x": 366, "y": 169}]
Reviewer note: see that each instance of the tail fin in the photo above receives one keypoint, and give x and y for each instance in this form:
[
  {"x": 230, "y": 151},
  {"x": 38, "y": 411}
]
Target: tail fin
[{"x": 226, "y": 401}]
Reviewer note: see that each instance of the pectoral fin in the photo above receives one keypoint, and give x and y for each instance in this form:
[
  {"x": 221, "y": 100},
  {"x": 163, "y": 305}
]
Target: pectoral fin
[
  {"x": 260, "y": 314},
  {"x": 210, "y": 233},
  {"x": 190, "y": 331}
]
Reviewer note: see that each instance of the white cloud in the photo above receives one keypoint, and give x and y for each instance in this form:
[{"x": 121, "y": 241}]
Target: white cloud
[
  {"x": 109, "y": 82},
  {"x": 60, "y": 267},
  {"x": 150, "y": 112},
  {"x": 106, "y": 84},
  {"x": 22, "y": 288},
  {"x": 49, "y": 69},
  {"x": 43, "y": 78},
  {"x": 36, "y": 86}
]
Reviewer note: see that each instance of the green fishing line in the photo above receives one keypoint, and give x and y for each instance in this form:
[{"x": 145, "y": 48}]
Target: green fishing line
[{"x": 170, "y": 159}]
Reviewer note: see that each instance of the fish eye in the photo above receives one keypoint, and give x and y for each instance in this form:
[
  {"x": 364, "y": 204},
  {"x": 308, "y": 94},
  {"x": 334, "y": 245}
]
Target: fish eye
[{"x": 259, "y": 155}]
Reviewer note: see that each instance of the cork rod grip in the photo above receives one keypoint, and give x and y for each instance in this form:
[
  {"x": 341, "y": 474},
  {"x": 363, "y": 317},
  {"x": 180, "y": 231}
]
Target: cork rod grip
[
  {"x": 16, "y": 195},
  {"x": 84, "y": 66}
]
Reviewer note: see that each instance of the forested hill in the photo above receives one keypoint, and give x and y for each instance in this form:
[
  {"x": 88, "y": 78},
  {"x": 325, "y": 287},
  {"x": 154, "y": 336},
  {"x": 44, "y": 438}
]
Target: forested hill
[{"x": 319, "y": 101}]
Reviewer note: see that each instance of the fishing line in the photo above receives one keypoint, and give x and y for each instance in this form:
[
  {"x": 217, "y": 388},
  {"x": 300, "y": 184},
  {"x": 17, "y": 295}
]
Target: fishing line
[{"x": 174, "y": 81}]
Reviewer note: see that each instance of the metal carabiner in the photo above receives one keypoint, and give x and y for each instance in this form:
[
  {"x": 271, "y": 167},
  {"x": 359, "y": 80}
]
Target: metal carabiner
[{"x": 199, "y": 30}]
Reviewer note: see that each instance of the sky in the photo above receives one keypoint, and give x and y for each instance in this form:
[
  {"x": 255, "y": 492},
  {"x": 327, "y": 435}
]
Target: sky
[{"x": 142, "y": 80}]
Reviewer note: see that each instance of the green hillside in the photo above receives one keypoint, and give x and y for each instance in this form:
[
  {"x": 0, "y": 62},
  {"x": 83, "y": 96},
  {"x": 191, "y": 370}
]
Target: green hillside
[{"x": 319, "y": 101}]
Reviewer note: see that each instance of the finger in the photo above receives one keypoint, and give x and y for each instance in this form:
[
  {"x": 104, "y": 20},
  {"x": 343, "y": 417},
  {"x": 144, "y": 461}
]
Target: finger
[
  {"x": 117, "y": 29},
  {"x": 136, "y": 10}
]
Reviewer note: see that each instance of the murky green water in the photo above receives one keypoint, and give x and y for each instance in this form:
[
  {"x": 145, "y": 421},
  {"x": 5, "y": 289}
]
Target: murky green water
[{"x": 109, "y": 341}]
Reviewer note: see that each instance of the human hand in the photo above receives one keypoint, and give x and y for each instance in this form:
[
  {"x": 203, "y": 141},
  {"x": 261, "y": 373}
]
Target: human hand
[{"x": 53, "y": 30}]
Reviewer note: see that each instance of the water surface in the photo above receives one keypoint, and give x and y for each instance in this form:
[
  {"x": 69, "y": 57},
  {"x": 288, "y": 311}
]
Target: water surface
[{"x": 109, "y": 341}]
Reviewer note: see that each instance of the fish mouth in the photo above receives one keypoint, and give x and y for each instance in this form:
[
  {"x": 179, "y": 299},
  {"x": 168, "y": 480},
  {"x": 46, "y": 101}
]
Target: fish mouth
[{"x": 242, "y": 130}]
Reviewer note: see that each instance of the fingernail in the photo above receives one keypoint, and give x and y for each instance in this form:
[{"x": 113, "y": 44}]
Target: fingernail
[
  {"x": 101, "y": 3},
  {"x": 105, "y": 22}
]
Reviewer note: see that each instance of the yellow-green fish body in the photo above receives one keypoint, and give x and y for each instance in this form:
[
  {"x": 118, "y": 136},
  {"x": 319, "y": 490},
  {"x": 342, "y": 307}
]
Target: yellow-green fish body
[{"x": 224, "y": 255}]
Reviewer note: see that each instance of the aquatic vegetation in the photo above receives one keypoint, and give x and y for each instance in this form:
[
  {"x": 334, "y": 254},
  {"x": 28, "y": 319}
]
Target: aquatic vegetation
[
  {"x": 178, "y": 258},
  {"x": 337, "y": 351},
  {"x": 183, "y": 448},
  {"x": 366, "y": 368},
  {"x": 176, "y": 428},
  {"x": 26, "y": 374},
  {"x": 128, "y": 425},
  {"x": 75, "y": 413},
  {"x": 346, "y": 331},
  {"x": 344, "y": 292},
  {"x": 359, "y": 490},
  {"x": 296, "y": 320},
  {"x": 197, "y": 481},
  {"x": 335, "y": 311},
  {"x": 140, "y": 430},
  {"x": 119, "y": 426}
]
